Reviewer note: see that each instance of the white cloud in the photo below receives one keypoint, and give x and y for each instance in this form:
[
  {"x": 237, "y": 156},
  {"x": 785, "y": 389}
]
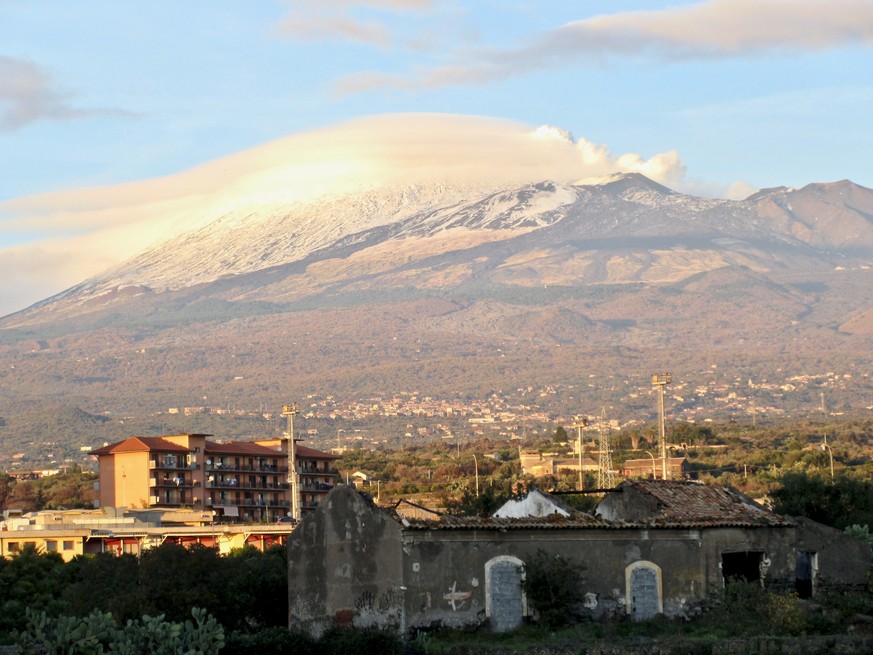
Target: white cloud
[
  {"x": 313, "y": 20},
  {"x": 713, "y": 29},
  {"x": 115, "y": 223},
  {"x": 29, "y": 94}
]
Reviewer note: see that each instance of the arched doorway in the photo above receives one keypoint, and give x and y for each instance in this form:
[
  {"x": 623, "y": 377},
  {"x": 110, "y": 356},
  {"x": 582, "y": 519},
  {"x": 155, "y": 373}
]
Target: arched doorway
[
  {"x": 505, "y": 603},
  {"x": 643, "y": 591}
]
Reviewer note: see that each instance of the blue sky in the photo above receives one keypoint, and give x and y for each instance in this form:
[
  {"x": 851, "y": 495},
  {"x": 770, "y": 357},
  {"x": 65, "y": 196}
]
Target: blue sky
[{"x": 754, "y": 93}]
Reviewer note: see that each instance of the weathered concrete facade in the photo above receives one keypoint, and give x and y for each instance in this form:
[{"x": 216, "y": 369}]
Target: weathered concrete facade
[
  {"x": 345, "y": 565},
  {"x": 354, "y": 563}
]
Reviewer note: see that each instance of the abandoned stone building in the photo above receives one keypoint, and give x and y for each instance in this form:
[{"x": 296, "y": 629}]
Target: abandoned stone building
[{"x": 653, "y": 548}]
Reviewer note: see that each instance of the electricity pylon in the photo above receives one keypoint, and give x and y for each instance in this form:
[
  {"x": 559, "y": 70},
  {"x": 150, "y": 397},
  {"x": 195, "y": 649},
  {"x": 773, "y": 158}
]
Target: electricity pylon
[{"x": 605, "y": 477}]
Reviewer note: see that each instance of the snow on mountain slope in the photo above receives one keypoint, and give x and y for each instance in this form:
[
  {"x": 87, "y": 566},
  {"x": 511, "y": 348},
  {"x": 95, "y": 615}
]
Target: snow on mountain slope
[{"x": 622, "y": 229}]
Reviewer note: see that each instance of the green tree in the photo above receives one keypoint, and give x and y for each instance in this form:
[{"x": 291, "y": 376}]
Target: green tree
[
  {"x": 560, "y": 435},
  {"x": 30, "y": 580},
  {"x": 554, "y": 587},
  {"x": 840, "y": 502},
  {"x": 104, "y": 583},
  {"x": 257, "y": 583},
  {"x": 173, "y": 579},
  {"x": 6, "y": 482}
]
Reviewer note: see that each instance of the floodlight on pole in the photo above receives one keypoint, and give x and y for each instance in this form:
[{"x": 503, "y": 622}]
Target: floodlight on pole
[{"x": 660, "y": 381}]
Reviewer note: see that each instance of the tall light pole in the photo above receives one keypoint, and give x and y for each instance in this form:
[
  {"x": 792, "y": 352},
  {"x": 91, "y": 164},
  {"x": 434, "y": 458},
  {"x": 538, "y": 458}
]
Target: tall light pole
[
  {"x": 476, "y": 464},
  {"x": 660, "y": 381},
  {"x": 825, "y": 446},
  {"x": 579, "y": 424},
  {"x": 293, "y": 478},
  {"x": 654, "y": 470}
]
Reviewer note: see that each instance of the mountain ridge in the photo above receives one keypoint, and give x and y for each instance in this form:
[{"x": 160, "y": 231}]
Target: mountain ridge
[
  {"x": 452, "y": 291},
  {"x": 629, "y": 208}
]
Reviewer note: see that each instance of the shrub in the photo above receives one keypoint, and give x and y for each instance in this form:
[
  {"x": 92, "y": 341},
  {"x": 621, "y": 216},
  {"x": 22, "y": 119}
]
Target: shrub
[
  {"x": 339, "y": 641},
  {"x": 553, "y": 584},
  {"x": 271, "y": 641}
]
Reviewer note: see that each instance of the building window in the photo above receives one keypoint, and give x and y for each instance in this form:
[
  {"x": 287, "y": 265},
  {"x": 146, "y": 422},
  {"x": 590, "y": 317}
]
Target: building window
[
  {"x": 643, "y": 595},
  {"x": 51, "y": 546},
  {"x": 68, "y": 545},
  {"x": 13, "y": 547},
  {"x": 748, "y": 566}
]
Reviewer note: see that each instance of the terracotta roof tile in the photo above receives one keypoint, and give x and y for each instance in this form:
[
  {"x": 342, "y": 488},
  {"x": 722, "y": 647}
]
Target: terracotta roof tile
[
  {"x": 692, "y": 504},
  {"x": 241, "y": 448},
  {"x": 554, "y": 522},
  {"x": 140, "y": 444}
]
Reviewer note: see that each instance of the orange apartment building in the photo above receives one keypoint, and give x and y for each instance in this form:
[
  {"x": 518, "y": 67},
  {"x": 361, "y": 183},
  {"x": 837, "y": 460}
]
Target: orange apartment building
[{"x": 238, "y": 481}]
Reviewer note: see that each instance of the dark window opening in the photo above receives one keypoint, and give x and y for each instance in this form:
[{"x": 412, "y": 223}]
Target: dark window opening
[
  {"x": 805, "y": 574},
  {"x": 745, "y": 566}
]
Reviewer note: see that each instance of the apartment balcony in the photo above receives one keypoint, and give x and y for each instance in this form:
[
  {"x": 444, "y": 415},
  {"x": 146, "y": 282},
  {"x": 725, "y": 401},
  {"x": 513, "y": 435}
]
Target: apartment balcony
[
  {"x": 163, "y": 466},
  {"x": 171, "y": 483},
  {"x": 255, "y": 502},
  {"x": 322, "y": 472},
  {"x": 316, "y": 486},
  {"x": 172, "y": 501},
  {"x": 242, "y": 484},
  {"x": 245, "y": 468}
]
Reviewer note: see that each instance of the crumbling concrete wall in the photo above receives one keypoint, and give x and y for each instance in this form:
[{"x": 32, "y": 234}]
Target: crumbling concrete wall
[
  {"x": 353, "y": 563},
  {"x": 448, "y": 570},
  {"x": 841, "y": 560},
  {"x": 344, "y": 566}
]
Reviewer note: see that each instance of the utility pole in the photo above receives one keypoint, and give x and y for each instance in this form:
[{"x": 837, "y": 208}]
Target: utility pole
[
  {"x": 660, "y": 381},
  {"x": 293, "y": 477},
  {"x": 825, "y": 446},
  {"x": 476, "y": 464},
  {"x": 605, "y": 478},
  {"x": 579, "y": 424}
]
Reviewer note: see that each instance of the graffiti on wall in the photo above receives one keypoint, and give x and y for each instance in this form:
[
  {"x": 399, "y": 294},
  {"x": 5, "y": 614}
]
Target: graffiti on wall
[
  {"x": 457, "y": 599},
  {"x": 383, "y": 603}
]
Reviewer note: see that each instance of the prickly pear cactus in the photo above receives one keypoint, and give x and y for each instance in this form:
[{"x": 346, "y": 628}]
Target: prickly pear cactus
[{"x": 97, "y": 634}]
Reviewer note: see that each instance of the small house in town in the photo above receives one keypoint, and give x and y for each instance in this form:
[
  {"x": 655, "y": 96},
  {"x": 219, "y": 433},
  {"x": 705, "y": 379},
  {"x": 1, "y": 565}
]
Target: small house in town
[{"x": 653, "y": 548}]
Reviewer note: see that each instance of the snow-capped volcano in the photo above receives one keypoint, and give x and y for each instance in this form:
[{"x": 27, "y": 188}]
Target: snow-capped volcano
[{"x": 621, "y": 229}]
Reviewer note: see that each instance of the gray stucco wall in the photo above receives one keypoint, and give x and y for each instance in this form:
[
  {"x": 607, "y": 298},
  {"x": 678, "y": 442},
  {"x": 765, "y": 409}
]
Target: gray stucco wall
[
  {"x": 353, "y": 563},
  {"x": 445, "y": 570}
]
